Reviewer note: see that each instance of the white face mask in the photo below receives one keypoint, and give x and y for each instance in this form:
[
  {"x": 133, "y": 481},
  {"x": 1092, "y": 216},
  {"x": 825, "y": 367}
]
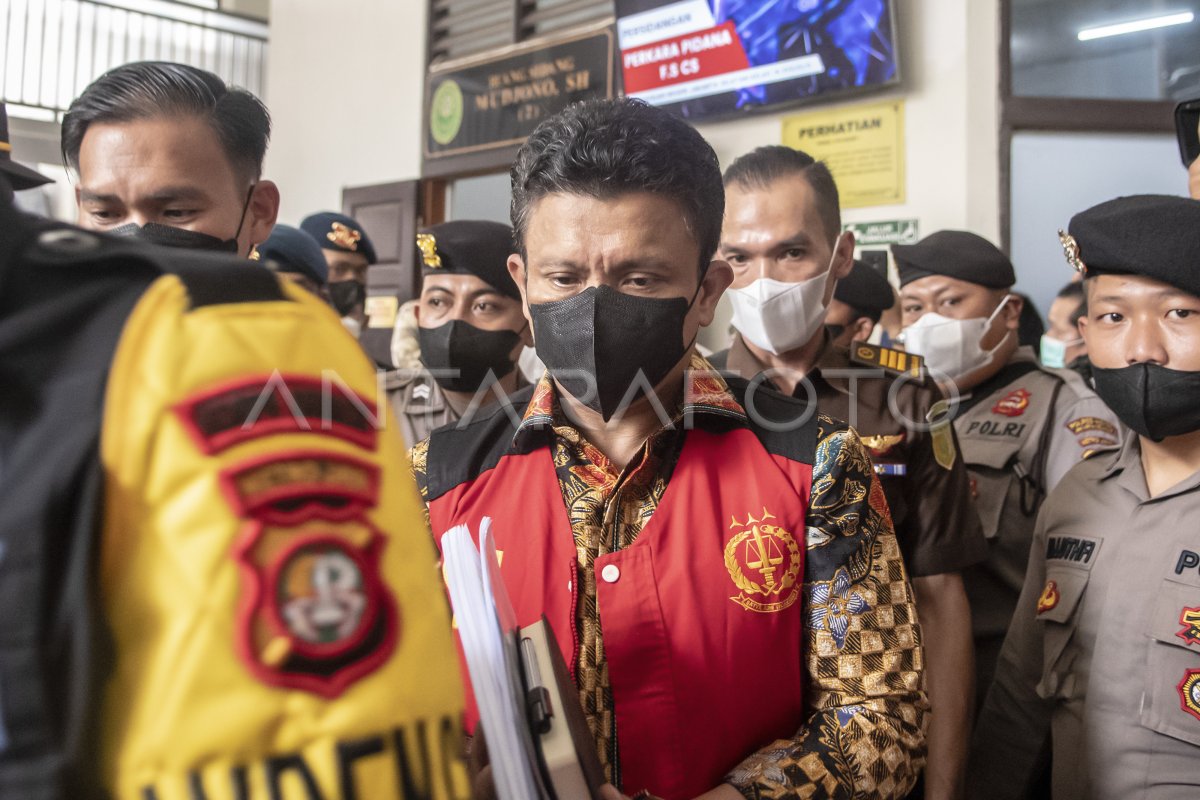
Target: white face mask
[
  {"x": 778, "y": 316},
  {"x": 951, "y": 346}
]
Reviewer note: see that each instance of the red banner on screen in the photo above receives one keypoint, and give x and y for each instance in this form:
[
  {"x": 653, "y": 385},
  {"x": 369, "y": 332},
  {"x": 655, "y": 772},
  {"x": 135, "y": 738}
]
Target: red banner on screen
[{"x": 702, "y": 54}]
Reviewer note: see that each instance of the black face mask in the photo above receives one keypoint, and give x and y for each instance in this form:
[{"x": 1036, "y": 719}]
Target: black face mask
[
  {"x": 1152, "y": 400},
  {"x": 170, "y": 236},
  {"x": 472, "y": 351},
  {"x": 347, "y": 295},
  {"x": 596, "y": 343}
]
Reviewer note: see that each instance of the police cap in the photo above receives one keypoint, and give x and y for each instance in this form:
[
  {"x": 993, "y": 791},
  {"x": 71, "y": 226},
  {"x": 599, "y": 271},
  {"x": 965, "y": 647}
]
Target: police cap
[
  {"x": 865, "y": 289},
  {"x": 469, "y": 247},
  {"x": 293, "y": 250},
  {"x": 335, "y": 231},
  {"x": 955, "y": 254},
  {"x": 1153, "y": 235},
  {"x": 19, "y": 176}
]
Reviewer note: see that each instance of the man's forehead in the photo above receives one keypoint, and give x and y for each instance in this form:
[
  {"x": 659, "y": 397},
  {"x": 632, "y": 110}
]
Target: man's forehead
[
  {"x": 457, "y": 284},
  {"x": 151, "y": 156},
  {"x": 938, "y": 284},
  {"x": 1123, "y": 285}
]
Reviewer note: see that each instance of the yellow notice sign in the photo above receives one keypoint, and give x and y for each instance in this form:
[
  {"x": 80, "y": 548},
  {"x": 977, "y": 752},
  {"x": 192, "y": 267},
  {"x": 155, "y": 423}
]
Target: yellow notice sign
[{"x": 863, "y": 146}]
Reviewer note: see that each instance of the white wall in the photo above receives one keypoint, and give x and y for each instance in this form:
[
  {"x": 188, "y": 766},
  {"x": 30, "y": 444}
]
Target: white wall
[{"x": 345, "y": 87}]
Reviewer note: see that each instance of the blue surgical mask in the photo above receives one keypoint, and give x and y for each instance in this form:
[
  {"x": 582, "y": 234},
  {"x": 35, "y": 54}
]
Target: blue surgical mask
[{"x": 1054, "y": 351}]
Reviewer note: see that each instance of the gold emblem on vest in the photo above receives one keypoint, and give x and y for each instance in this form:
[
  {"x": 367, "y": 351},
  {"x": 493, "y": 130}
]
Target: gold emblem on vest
[{"x": 764, "y": 561}]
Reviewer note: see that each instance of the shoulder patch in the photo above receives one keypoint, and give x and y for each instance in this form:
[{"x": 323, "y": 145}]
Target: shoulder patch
[
  {"x": 894, "y": 362},
  {"x": 457, "y": 454},
  {"x": 1083, "y": 424}
]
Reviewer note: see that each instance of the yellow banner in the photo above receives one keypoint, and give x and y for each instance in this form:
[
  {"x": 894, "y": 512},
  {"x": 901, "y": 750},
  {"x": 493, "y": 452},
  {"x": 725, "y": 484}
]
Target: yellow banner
[{"x": 863, "y": 146}]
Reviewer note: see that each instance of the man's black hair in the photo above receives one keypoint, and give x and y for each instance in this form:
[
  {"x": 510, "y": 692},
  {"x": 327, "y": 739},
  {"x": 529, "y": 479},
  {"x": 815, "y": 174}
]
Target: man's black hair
[
  {"x": 156, "y": 89},
  {"x": 608, "y": 148},
  {"x": 761, "y": 167}
]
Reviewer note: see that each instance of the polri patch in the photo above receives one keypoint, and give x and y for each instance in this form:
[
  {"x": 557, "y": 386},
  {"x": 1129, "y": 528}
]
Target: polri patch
[
  {"x": 1189, "y": 692},
  {"x": 1189, "y": 618},
  {"x": 1013, "y": 404}
]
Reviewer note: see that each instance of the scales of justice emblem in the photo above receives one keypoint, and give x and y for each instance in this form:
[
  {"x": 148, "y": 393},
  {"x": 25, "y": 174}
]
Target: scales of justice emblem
[{"x": 764, "y": 561}]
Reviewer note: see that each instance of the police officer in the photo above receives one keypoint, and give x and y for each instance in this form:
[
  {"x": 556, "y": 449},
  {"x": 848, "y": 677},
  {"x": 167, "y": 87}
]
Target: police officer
[
  {"x": 1021, "y": 426},
  {"x": 470, "y": 328},
  {"x": 858, "y": 303},
  {"x": 207, "y": 590},
  {"x": 1104, "y": 650},
  {"x": 349, "y": 252},
  {"x": 294, "y": 255},
  {"x": 781, "y": 236},
  {"x": 20, "y": 177}
]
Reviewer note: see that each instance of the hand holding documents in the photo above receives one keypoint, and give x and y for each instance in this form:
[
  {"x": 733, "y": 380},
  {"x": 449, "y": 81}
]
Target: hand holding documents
[{"x": 538, "y": 740}]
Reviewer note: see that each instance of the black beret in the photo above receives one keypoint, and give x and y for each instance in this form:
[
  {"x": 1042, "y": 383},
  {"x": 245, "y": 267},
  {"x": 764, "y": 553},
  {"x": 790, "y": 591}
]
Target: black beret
[
  {"x": 470, "y": 247},
  {"x": 1153, "y": 235},
  {"x": 335, "y": 231},
  {"x": 865, "y": 289},
  {"x": 293, "y": 250},
  {"x": 19, "y": 176},
  {"x": 955, "y": 254}
]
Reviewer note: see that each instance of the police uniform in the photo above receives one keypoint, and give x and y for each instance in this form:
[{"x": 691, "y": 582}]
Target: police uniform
[
  {"x": 463, "y": 247},
  {"x": 207, "y": 591},
  {"x": 1019, "y": 433},
  {"x": 1104, "y": 649}
]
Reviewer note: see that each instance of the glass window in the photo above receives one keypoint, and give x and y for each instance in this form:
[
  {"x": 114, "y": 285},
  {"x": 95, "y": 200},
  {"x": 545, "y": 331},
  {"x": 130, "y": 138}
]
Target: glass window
[{"x": 1110, "y": 49}]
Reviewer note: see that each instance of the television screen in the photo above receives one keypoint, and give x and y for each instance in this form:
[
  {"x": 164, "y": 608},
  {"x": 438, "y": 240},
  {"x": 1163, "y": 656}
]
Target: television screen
[{"x": 713, "y": 58}]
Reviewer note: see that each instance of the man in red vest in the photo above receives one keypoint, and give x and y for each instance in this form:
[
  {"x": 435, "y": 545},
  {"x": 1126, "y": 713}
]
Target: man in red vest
[{"x": 716, "y": 560}]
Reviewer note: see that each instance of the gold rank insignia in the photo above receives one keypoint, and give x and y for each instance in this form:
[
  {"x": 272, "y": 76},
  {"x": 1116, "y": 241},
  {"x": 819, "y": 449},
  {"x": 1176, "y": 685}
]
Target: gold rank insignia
[
  {"x": 1071, "y": 251},
  {"x": 895, "y": 362},
  {"x": 344, "y": 236},
  {"x": 764, "y": 560},
  {"x": 428, "y": 247},
  {"x": 880, "y": 445}
]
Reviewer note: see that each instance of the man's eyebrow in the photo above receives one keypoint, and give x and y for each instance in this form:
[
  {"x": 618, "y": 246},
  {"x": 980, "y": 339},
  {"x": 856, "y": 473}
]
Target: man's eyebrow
[
  {"x": 168, "y": 193},
  {"x": 88, "y": 196}
]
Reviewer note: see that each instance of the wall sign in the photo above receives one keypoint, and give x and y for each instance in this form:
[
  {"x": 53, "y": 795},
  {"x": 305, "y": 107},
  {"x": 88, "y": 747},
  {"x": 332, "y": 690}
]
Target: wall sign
[
  {"x": 863, "y": 146},
  {"x": 893, "y": 231},
  {"x": 480, "y": 110}
]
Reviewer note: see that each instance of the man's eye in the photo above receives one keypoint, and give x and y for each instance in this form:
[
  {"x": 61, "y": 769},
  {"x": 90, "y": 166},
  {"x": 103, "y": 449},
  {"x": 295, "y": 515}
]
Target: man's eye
[
  {"x": 639, "y": 281},
  {"x": 735, "y": 259},
  {"x": 435, "y": 302},
  {"x": 178, "y": 213},
  {"x": 485, "y": 308},
  {"x": 1111, "y": 316},
  {"x": 910, "y": 309},
  {"x": 794, "y": 252}
]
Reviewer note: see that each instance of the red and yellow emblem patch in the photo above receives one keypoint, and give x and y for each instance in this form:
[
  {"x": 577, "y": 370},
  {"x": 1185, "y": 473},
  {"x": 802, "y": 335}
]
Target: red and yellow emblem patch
[
  {"x": 1189, "y": 618},
  {"x": 1189, "y": 692},
  {"x": 1049, "y": 598},
  {"x": 764, "y": 561},
  {"x": 1012, "y": 404},
  {"x": 315, "y": 613}
]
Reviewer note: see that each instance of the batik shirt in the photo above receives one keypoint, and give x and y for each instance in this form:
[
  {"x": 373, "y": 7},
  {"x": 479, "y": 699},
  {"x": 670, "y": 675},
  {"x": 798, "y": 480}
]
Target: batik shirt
[{"x": 866, "y": 705}]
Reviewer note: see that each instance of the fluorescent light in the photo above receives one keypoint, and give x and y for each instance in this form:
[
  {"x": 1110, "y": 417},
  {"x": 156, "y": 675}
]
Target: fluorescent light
[{"x": 1147, "y": 24}]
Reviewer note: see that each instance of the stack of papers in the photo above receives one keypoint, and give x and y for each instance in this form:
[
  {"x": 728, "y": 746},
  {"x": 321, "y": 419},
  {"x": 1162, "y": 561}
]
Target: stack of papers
[{"x": 487, "y": 627}]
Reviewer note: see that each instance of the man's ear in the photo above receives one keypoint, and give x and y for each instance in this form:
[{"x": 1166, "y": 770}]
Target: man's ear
[
  {"x": 262, "y": 210},
  {"x": 1012, "y": 311},
  {"x": 862, "y": 328},
  {"x": 843, "y": 260},
  {"x": 516, "y": 270},
  {"x": 716, "y": 280}
]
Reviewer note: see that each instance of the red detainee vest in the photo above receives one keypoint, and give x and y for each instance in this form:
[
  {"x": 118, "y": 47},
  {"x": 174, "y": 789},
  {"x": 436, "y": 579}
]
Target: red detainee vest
[{"x": 702, "y": 616}]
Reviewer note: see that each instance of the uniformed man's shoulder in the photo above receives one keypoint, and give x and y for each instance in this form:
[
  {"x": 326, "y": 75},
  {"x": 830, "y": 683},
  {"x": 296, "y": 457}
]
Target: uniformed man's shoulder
[
  {"x": 786, "y": 426},
  {"x": 462, "y": 451},
  {"x": 417, "y": 383},
  {"x": 893, "y": 362},
  {"x": 1080, "y": 481}
]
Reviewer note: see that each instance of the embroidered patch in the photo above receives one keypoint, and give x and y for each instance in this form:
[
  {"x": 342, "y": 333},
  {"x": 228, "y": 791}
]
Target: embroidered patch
[
  {"x": 832, "y": 604},
  {"x": 882, "y": 445},
  {"x": 1189, "y": 618},
  {"x": 941, "y": 435},
  {"x": 236, "y": 412},
  {"x": 428, "y": 247},
  {"x": 1049, "y": 598},
  {"x": 1189, "y": 692},
  {"x": 763, "y": 560},
  {"x": 344, "y": 236},
  {"x": 1012, "y": 404},
  {"x": 1078, "y": 426},
  {"x": 314, "y": 612}
]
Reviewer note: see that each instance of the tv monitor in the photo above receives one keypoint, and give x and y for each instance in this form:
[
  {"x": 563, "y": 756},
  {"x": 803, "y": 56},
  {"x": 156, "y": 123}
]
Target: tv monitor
[{"x": 707, "y": 59}]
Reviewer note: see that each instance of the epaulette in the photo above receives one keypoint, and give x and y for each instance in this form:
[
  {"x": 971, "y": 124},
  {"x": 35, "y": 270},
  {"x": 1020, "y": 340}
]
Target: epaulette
[{"x": 894, "y": 362}]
